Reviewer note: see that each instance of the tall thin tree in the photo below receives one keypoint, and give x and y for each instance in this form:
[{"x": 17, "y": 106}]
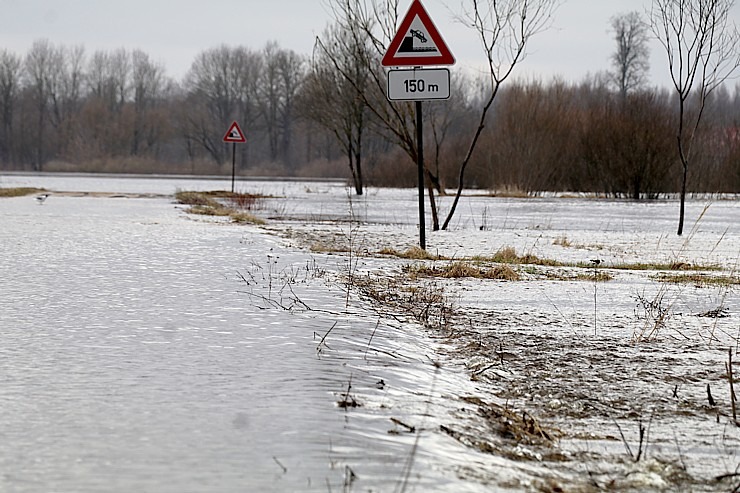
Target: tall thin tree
[
  {"x": 504, "y": 28},
  {"x": 631, "y": 58},
  {"x": 702, "y": 46}
]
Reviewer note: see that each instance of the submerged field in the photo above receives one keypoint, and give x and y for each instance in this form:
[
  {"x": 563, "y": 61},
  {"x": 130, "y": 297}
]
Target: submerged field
[{"x": 550, "y": 344}]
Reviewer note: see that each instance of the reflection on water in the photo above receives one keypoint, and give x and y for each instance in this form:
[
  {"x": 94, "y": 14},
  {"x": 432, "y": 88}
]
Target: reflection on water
[{"x": 133, "y": 360}]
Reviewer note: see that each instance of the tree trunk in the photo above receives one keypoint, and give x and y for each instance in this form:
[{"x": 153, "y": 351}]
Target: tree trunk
[
  {"x": 432, "y": 202},
  {"x": 359, "y": 185},
  {"x": 683, "y": 198}
]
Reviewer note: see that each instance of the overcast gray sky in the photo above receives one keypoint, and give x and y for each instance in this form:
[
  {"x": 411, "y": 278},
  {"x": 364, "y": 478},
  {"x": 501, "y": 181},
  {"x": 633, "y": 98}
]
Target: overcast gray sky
[{"x": 174, "y": 31}]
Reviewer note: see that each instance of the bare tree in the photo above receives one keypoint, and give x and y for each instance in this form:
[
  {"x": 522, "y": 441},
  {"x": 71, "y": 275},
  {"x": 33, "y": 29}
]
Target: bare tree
[
  {"x": 292, "y": 73},
  {"x": 372, "y": 24},
  {"x": 100, "y": 79},
  {"x": 65, "y": 94},
  {"x": 702, "y": 48},
  {"x": 38, "y": 67},
  {"x": 10, "y": 79},
  {"x": 630, "y": 60},
  {"x": 504, "y": 28},
  {"x": 280, "y": 79},
  {"x": 221, "y": 86},
  {"x": 334, "y": 102},
  {"x": 147, "y": 79}
]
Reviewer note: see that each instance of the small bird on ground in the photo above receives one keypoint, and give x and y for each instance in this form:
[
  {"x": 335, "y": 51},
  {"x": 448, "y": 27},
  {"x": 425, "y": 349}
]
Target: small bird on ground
[
  {"x": 595, "y": 261},
  {"x": 41, "y": 198}
]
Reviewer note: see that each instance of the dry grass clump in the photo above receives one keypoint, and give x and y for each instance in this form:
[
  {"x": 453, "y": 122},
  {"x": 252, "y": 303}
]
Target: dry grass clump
[
  {"x": 427, "y": 304},
  {"x": 19, "y": 191},
  {"x": 512, "y": 426},
  {"x": 196, "y": 199},
  {"x": 204, "y": 203},
  {"x": 246, "y": 218},
  {"x": 508, "y": 255},
  {"x": 413, "y": 253},
  {"x": 699, "y": 280},
  {"x": 675, "y": 266},
  {"x": 244, "y": 201},
  {"x": 235, "y": 200},
  {"x": 458, "y": 270},
  {"x": 598, "y": 276},
  {"x": 208, "y": 210}
]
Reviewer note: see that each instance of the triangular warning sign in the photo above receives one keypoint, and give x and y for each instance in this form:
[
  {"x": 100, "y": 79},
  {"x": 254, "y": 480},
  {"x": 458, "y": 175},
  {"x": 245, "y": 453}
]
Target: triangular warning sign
[
  {"x": 235, "y": 134},
  {"x": 417, "y": 42}
]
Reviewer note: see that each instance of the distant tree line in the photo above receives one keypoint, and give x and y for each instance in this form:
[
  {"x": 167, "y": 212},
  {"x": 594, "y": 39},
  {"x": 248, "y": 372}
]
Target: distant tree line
[{"x": 62, "y": 108}]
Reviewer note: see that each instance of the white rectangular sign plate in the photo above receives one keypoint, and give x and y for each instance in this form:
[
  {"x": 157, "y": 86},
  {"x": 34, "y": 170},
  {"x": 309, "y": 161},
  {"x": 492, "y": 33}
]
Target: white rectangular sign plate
[{"x": 419, "y": 84}]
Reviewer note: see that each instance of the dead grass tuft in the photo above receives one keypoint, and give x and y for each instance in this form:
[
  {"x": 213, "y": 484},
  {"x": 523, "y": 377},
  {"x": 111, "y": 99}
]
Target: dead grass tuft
[
  {"x": 508, "y": 255},
  {"x": 204, "y": 204},
  {"x": 673, "y": 266},
  {"x": 196, "y": 199},
  {"x": 698, "y": 279},
  {"x": 208, "y": 210},
  {"x": 246, "y": 218},
  {"x": 512, "y": 426},
  {"x": 19, "y": 191},
  {"x": 563, "y": 241},
  {"x": 235, "y": 200},
  {"x": 599, "y": 276},
  {"x": 459, "y": 270},
  {"x": 413, "y": 253}
]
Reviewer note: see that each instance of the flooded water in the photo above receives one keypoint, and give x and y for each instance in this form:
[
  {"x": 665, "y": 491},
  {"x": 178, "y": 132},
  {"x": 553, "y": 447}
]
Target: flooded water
[
  {"x": 135, "y": 357},
  {"x": 145, "y": 349}
]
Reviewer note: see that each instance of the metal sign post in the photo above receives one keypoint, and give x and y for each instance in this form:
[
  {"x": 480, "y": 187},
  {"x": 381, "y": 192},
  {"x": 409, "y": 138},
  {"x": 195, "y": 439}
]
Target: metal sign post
[
  {"x": 233, "y": 165},
  {"x": 417, "y": 43},
  {"x": 420, "y": 165},
  {"x": 235, "y": 136}
]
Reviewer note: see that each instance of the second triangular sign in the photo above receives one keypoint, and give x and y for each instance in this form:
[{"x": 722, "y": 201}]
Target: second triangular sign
[
  {"x": 417, "y": 42},
  {"x": 235, "y": 135}
]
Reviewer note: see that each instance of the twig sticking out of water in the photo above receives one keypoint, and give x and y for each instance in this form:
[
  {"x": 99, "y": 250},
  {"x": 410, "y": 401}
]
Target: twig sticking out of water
[
  {"x": 371, "y": 339},
  {"x": 285, "y": 469},
  {"x": 728, "y": 368},
  {"x": 404, "y": 482},
  {"x": 643, "y": 444},
  {"x": 409, "y": 428},
  {"x": 322, "y": 342},
  {"x": 348, "y": 401},
  {"x": 349, "y": 478}
]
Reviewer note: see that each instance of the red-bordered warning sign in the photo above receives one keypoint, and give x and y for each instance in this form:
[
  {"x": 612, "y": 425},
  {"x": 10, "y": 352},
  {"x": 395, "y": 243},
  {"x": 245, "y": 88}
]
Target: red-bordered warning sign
[
  {"x": 235, "y": 134},
  {"x": 417, "y": 42}
]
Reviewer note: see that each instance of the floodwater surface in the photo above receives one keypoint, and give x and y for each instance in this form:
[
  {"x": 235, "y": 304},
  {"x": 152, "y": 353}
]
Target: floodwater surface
[{"x": 147, "y": 351}]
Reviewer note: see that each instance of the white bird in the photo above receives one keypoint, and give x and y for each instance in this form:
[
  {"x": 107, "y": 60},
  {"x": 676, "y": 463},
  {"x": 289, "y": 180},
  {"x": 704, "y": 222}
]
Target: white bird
[{"x": 40, "y": 198}]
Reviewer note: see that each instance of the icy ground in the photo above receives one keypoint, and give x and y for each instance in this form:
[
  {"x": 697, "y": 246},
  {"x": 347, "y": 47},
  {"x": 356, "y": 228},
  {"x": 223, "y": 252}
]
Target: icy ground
[{"x": 584, "y": 385}]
